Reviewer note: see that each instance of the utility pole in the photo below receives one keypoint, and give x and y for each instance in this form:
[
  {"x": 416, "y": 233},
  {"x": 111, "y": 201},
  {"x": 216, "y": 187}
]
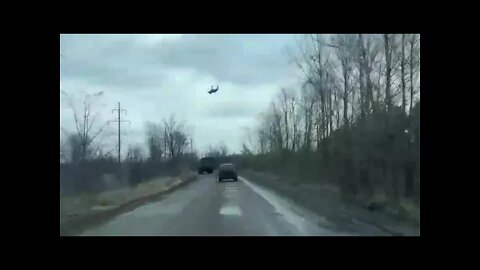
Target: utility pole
[{"x": 119, "y": 110}]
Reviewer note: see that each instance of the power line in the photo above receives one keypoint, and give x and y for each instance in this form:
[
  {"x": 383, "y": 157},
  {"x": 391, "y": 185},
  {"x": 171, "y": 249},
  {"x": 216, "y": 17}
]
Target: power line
[{"x": 119, "y": 121}]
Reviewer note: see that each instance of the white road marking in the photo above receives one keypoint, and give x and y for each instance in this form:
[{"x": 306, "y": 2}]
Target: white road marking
[
  {"x": 230, "y": 207},
  {"x": 231, "y": 210},
  {"x": 230, "y": 193}
]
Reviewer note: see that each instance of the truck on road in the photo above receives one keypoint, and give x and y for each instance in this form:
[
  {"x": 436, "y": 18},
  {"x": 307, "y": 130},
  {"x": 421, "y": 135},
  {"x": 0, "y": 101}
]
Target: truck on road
[{"x": 207, "y": 164}]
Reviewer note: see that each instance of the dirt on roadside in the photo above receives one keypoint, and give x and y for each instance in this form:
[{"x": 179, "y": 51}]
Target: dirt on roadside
[{"x": 82, "y": 212}]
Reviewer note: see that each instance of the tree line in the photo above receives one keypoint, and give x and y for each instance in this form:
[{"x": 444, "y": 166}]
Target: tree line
[
  {"x": 354, "y": 121},
  {"x": 88, "y": 152}
]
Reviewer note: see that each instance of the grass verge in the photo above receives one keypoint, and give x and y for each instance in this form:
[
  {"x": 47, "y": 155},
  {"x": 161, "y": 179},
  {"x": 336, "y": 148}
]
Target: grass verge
[
  {"x": 326, "y": 201},
  {"x": 80, "y": 213}
]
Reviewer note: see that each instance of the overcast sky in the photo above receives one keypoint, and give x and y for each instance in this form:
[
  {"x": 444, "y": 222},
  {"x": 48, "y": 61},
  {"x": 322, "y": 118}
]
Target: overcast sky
[{"x": 153, "y": 76}]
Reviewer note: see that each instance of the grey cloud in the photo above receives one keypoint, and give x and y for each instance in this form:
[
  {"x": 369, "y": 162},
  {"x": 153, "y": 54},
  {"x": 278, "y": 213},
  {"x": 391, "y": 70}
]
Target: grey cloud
[
  {"x": 116, "y": 60},
  {"x": 235, "y": 110},
  {"x": 241, "y": 59},
  {"x": 153, "y": 79},
  {"x": 126, "y": 76},
  {"x": 123, "y": 61}
]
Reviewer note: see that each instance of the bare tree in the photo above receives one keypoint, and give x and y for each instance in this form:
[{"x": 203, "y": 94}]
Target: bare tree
[
  {"x": 331, "y": 89},
  {"x": 361, "y": 58},
  {"x": 180, "y": 142},
  {"x": 388, "y": 76},
  {"x": 344, "y": 55},
  {"x": 134, "y": 153},
  {"x": 254, "y": 141},
  {"x": 337, "y": 108},
  {"x": 245, "y": 150},
  {"x": 295, "y": 120},
  {"x": 363, "y": 85},
  {"x": 307, "y": 104},
  {"x": 414, "y": 55},
  {"x": 284, "y": 97},
  {"x": 370, "y": 53},
  {"x": 314, "y": 61},
  {"x": 262, "y": 140},
  {"x": 155, "y": 141},
  {"x": 176, "y": 139},
  {"x": 212, "y": 152},
  {"x": 223, "y": 149},
  {"x": 75, "y": 147},
  {"x": 275, "y": 132},
  {"x": 88, "y": 125},
  {"x": 404, "y": 100},
  {"x": 220, "y": 150},
  {"x": 291, "y": 119},
  {"x": 63, "y": 146}
]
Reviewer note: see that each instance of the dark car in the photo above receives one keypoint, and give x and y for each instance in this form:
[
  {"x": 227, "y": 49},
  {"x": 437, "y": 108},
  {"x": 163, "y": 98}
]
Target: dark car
[
  {"x": 227, "y": 171},
  {"x": 207, "y": 164}
]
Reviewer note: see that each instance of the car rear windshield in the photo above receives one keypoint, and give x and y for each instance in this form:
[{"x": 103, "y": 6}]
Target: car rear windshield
[{"x": 228, "y": 166}]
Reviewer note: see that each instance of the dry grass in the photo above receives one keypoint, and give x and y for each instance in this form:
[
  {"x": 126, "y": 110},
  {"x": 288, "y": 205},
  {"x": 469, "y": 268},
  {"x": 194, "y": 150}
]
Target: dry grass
[
  {"x": 410, "y": 211},
  {"x": 72, "y": 206},
  {"x": 77, "y": 205},
  {"x": 77, "y": 213},
  {"x": 406, "y": 209},
  {"x": 378, "y": 197}
]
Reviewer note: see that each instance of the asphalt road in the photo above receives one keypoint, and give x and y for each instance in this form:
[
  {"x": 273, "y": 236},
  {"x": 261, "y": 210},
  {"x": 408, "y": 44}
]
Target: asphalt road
[{"x": 208, "y": 208}]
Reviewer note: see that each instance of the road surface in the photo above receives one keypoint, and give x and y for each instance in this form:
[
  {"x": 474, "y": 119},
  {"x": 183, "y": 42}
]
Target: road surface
[{"x": 208, "y": 208}]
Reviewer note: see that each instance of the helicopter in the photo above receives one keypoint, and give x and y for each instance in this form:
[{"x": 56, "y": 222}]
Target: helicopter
[{"x": 213, "y": 90}]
